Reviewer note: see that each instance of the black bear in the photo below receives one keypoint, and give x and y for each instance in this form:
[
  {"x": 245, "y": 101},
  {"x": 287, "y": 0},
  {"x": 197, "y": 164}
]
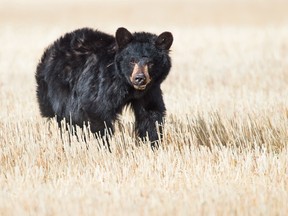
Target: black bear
[{"x": 88, "y": 76}]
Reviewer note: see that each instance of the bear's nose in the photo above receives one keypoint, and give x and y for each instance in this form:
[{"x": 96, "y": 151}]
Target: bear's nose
[{"x": 140, "y": 79}]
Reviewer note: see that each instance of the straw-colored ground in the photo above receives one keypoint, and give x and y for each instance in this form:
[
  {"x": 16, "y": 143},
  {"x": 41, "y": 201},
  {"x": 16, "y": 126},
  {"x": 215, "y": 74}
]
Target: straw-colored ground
[{"x": 225, "y": 150}]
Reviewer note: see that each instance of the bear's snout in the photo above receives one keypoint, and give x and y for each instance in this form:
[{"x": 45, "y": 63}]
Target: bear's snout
[{"x": 140, "y": 77}]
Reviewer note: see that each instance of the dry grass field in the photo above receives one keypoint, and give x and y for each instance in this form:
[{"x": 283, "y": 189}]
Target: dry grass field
[{"x": 225, "y": 147}]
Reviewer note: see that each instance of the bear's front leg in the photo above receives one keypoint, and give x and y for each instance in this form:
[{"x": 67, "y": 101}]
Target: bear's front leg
[{"x": 149, "y": 111}]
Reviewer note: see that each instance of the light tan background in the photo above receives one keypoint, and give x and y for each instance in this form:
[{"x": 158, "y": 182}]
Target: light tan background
[{"x": 225, "y": 141}]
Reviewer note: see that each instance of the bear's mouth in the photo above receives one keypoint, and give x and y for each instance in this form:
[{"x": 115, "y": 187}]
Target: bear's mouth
[{"x": 140, "y": 87}]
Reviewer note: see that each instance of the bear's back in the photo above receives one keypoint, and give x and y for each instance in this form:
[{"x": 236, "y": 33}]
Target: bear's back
[{"x": 83, "y": 41}]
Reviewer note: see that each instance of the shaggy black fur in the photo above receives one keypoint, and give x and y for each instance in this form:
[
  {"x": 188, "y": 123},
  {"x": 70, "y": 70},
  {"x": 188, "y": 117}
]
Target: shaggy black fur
[{"x": 89, "y": 76}]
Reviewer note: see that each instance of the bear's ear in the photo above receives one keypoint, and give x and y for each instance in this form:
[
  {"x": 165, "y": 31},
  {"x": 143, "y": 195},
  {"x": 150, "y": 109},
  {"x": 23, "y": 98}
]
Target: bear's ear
[
  {"x": 123, "y": 37},
  {"x": 164, "y": 41}
]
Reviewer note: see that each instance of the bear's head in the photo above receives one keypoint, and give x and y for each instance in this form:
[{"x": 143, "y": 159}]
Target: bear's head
[{"x": 143, "y": 58}]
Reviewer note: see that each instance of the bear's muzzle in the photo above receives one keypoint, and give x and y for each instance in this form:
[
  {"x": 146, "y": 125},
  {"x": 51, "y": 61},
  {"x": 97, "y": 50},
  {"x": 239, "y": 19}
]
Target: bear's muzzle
[{"x": 140, "y": 77}]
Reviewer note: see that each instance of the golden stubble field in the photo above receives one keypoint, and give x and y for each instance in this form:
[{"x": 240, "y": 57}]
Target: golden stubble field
[{"x": 225, "y": 146}]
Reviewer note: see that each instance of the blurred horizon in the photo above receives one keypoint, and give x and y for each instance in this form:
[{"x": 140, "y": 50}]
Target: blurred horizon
[{"x": 144, "y": 13}]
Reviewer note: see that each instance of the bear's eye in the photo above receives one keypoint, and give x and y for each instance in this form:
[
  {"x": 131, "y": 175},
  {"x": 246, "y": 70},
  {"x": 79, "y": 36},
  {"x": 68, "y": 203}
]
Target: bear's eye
[
  {"x": 133, "y": 61},
  {"x": 150, "y": 64}
]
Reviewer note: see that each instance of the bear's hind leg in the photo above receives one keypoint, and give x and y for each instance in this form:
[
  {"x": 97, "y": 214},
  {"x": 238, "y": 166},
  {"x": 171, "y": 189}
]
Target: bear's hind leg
[
  {"x": 45, "y": 106},
  {"x": 103, "y": 130}
]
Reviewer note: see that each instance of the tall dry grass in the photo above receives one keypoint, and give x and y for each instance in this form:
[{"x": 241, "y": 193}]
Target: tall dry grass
[{"x": 224, "y": 150}]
